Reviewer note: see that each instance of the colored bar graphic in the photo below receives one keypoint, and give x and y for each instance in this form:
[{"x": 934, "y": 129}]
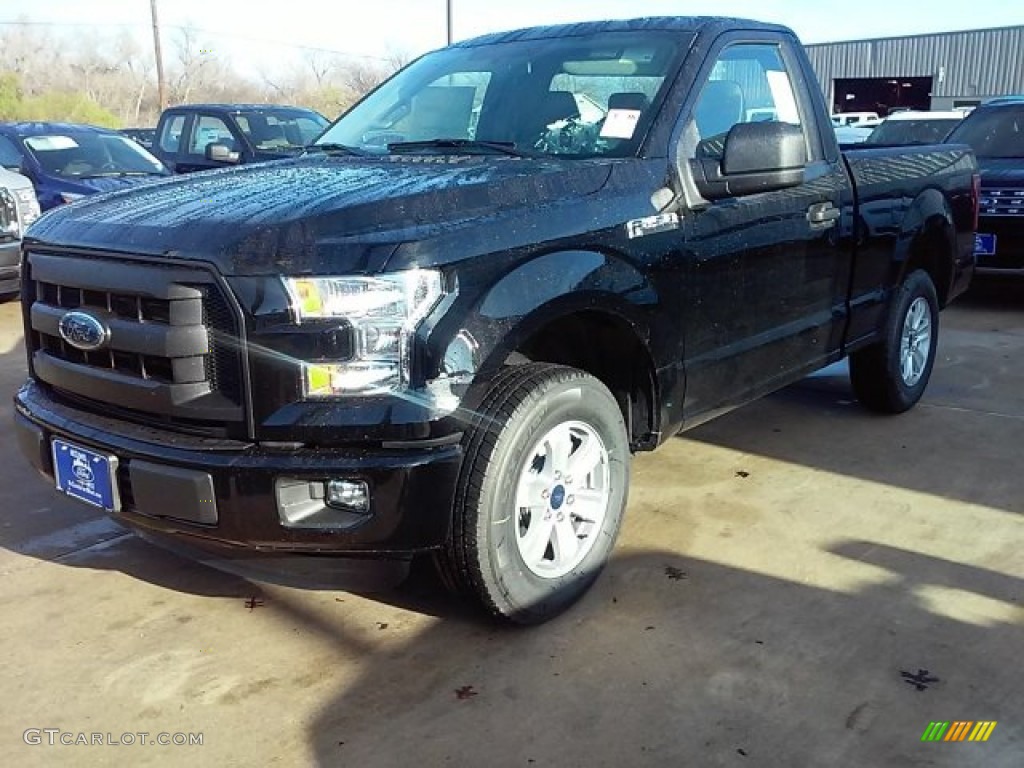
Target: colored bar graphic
[
  {"x": 959, "y": 730},
  {"x": 983, "y": 730}
]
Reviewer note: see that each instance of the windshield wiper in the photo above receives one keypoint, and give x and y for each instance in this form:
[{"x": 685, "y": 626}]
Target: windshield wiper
[
  {"x": 328, "y": 147},
  {"x": 501, "y": 147}
]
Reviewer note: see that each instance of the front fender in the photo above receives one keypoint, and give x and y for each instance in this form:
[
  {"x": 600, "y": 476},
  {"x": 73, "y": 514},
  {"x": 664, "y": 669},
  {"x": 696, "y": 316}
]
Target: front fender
[{"x": 488, "y": 322}]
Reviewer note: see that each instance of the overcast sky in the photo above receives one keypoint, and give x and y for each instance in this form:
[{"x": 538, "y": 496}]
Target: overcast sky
[{"x": 258, "y": 34}]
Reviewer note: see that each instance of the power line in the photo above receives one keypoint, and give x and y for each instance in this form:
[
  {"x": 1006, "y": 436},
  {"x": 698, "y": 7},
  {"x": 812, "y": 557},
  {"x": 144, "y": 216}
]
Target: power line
[{"x": 190, "y": 28}]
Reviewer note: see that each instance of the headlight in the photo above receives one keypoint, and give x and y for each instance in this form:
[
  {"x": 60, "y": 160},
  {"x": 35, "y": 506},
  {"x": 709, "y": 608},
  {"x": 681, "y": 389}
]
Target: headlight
[
  {"x": 28, "y": 205},
  {"x": 70, "y": 197},
  {"x": 382, "y": 313}
]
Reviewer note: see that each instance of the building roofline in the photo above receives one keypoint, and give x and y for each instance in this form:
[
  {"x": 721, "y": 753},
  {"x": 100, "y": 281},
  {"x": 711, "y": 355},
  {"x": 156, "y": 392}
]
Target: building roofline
[{"x": 914, "y": 37}]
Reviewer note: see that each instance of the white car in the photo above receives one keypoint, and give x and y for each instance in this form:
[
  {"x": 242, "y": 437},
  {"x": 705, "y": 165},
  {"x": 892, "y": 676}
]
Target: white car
[
  {"x": 856, "y": 119},
  {"x": 18, "y": 209},
  {"x": 852, "y": 134},
  {"x": 24, "y": 194},
  {"x": 915, "y": 127}
]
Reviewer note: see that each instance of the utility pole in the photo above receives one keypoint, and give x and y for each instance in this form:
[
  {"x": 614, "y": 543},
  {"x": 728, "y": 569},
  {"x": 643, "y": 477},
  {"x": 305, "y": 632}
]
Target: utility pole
[
  {"x": 159, "y": 58},
  {"x": 448, "y": 18}
]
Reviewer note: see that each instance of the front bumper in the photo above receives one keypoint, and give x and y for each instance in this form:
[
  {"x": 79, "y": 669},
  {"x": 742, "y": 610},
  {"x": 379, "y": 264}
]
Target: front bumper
[
  {"x": 164, "y": 476},
  {"x": 1008, "y": 259}
]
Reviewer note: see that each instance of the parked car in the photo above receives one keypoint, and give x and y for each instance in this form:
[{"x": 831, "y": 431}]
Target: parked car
[
  {"x": 198, "y": 137},
  {"x": 856, "y": 119},
  {"x": 144, "y": 136},
  {"x": 914, "y": 127},
  {"x": 67, "y": 161},
  {"x": 24, "y": 195},
  {"x": 851, "y": 134},
  {"x": 995, "y": 131},
  {"x": 10, "y": 244},
  {"x": 18, "y": 209},
  {"x": 431, "y": 334}
]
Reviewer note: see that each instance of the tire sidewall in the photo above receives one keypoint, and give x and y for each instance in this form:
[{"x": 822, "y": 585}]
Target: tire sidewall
[
  {"x": 917, "y": 285},
  {"x": 579, "y": 399}
]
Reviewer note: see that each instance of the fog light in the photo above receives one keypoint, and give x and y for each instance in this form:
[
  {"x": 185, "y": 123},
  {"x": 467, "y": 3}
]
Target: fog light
[{"x": 353, "y": 495}]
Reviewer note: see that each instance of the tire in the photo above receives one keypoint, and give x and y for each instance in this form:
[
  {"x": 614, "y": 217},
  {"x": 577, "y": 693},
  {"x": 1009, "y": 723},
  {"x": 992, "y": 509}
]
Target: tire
[
  {"x": 891, "y": 376},
  {"x": 528, "y": 538}
]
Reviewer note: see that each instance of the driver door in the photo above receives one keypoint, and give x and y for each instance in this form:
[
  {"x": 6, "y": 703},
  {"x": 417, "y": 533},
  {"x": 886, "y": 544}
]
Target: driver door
[{"x": 766, "y": 276}]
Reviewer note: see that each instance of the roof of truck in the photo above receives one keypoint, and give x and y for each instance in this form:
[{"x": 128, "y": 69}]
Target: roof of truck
[
  {"x": 690, "y": 24},
  {"x": 238, "y": 107}
]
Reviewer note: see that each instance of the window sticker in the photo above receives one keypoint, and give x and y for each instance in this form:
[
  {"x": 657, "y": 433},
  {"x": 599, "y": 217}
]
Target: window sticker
[
  {"x": 50, "y": 143},
  {"x": 620, "y": 124}
]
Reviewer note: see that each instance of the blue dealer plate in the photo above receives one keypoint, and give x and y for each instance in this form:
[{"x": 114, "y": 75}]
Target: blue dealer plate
[
  {"x": 985, "y": 245},
  {"x": 86, "y": 475}
]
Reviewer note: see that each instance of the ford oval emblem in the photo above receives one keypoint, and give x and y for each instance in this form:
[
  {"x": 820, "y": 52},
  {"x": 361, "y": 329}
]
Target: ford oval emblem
[{"x": 83, "y": 331}]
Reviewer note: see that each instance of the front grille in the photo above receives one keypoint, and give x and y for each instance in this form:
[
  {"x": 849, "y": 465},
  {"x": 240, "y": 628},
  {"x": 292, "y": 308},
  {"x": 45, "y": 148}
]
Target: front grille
[
  {"x": 1001, "y": 202},
  {"x": 172, "y": 353}
]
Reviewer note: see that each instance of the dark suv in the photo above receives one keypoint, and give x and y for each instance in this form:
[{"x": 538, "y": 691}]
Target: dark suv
[
  {"x": 200, "y": 137},
  {"x": 996, "y": 133}
]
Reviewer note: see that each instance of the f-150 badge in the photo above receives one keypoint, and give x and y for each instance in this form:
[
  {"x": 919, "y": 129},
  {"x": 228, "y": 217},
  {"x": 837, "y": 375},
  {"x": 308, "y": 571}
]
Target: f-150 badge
[{"x": 652, "y": 225}]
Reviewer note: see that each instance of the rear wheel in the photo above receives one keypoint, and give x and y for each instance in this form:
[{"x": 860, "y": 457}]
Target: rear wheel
[
  {"x": 891, "y": 376},
  {"x": 541, "y": 493}
]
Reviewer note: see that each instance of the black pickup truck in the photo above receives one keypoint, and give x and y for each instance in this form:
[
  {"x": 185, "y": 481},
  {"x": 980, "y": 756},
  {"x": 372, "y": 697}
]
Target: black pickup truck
[
  {"x": 200, "y": 137},
  {"x": 445, "y": 329}
]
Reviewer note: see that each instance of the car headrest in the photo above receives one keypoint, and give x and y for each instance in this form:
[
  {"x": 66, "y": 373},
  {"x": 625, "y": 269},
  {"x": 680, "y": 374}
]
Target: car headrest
[{"x": 720, "y": 107}]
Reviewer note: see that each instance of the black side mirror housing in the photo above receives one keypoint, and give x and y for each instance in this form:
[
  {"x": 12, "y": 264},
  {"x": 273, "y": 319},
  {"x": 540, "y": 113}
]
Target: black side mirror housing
[
  {"x": 757, "y": 157},
  {"x": 221, "y": 153}
]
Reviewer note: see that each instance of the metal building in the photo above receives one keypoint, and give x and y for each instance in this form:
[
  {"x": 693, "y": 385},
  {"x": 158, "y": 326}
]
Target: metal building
[{"x": 936, "y": 71}]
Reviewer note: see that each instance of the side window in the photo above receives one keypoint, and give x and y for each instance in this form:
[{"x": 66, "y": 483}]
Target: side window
[
  {"x": 10, "y": 157},
  {"x": 170, "y": 134},
  {"x": 209, "y": 129},
  {"x": 749, "y": 83}
]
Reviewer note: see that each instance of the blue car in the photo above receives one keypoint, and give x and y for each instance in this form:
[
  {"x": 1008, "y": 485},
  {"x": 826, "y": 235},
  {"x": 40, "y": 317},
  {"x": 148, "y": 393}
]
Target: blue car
[{"x": 66, "y": 161}]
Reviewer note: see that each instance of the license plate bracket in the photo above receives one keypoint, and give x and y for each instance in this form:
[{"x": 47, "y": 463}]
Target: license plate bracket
[{"x": 86, "y": 475}]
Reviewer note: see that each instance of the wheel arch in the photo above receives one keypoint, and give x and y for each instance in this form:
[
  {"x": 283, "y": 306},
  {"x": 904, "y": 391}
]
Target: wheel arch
[
  {"x": 928, "y": 242},
  {"x": 583, "y": 309}
]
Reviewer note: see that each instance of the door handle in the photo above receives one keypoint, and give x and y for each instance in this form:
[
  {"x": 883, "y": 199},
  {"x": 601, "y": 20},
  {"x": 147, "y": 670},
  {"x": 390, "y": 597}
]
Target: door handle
[{"x": 823, "y": 215}]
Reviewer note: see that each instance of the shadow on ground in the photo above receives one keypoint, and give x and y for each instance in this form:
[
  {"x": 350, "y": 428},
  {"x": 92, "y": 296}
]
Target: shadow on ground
[
  {"x": 675, "y": 661},
  {"x": 974, "y": 401}
]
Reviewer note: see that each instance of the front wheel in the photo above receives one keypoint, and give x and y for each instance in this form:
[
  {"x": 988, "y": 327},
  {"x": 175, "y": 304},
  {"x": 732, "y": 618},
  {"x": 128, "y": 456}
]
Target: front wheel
[
  {"x": 541, "y": 493},
  {"x": 891, "y": 376}
]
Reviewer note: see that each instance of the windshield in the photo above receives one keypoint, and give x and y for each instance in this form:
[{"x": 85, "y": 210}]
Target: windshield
[
  {"x": 88, "y": 155},
  {"x": 995, "y": 132},
  {"x": 923, "y": 131},
  {"x": 283, "y": 129},
  {"x": 585, "y": 96}
]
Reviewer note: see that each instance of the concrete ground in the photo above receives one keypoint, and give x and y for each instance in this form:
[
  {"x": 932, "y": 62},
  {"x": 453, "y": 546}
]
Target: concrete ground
[{"x": 799, "y": 583}]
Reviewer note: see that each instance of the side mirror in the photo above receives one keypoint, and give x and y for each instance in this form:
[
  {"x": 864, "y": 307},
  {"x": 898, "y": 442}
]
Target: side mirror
[
  {"x": 221, "y": 153},
  {"x": 757, "y": 157}
]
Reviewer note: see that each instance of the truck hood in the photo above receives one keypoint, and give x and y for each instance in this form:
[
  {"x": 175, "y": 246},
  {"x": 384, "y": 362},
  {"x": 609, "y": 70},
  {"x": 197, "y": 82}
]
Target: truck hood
[
  {"x": 1001, "y": 172},
  {"x": 114, "y": 183},
  {"x": 331, "y": 214}
]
